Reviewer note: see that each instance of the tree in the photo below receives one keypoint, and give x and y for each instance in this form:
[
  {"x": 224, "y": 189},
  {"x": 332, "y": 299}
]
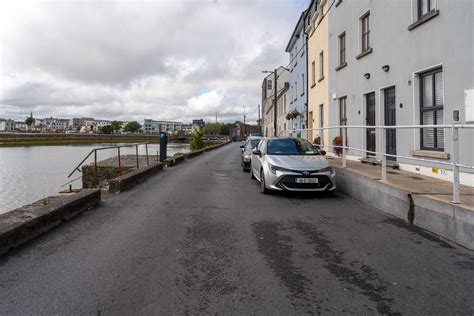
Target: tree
[
  {"x": 196, "y": 141},
  {"x": 107, "y": 129},
  {"x": 132, "y": 127},
  {"x": 225, "y": 129},
  {"x": 116, "y": 126},
  {"x": 30, "y": 120},
  {"x": 216, "y": 129}
]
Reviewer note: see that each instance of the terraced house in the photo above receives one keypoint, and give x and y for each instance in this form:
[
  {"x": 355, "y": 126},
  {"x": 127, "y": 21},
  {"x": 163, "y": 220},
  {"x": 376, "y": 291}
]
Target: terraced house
[
  {"x": 316, "y": 28},
  {"x": 406, "y": 62}
]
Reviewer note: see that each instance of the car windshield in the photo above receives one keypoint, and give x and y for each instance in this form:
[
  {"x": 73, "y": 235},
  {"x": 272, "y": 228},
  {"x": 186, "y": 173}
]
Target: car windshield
[
  {"x": 289, "y": 146},
  {"x": 252, "y": 143}
]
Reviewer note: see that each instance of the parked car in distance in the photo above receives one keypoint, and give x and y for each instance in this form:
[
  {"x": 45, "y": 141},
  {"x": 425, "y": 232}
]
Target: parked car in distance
[
  {"x": 256, "y": 134},
  {"x": 247, "y": 147},
  {"x": 291, "y": 164}
]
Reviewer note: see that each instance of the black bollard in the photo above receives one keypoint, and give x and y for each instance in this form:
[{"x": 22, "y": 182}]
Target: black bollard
[{"x": 163, "y": 146}]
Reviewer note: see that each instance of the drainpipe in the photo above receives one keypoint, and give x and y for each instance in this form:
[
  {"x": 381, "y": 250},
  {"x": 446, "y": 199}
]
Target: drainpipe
[{"x": 275, "y": 105}]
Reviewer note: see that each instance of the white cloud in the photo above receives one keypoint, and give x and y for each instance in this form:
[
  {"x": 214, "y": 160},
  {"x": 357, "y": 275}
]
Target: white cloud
[{"x": 131, "y": 60}]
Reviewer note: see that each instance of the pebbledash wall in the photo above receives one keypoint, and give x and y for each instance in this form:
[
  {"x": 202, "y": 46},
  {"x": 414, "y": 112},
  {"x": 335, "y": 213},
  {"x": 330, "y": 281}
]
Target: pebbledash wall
[
  {"x": 298, "y": 90},
  {"x": 410, "y": 46}
]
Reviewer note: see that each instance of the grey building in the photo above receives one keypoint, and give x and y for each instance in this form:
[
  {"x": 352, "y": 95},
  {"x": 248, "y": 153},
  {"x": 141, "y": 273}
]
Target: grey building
[
  {"x": 6, "y": 125},
  {"x": 269, "y": 95},
  {"x": 406, "y": 62},
  {"x": 152, "y": 126}
]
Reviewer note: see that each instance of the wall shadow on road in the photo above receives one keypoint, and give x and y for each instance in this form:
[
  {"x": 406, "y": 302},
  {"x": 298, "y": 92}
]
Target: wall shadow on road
[{"x": 308, "y": 195}]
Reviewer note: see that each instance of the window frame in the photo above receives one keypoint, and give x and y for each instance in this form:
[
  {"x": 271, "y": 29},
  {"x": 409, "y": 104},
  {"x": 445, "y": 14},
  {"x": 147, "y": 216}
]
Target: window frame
[
  {"x": 342, "y": 48},
  {"x": 365, "y": 32},
  {"x": 296, "y": 91},
  {"x": 321, "y": 65},
  {"x": 269, "y": 84},
  {"x": 430, "y": 7},
  {"x": 432, "y": 73},
  {"x": 313, "y": 75},
  {"x": 343, "y": 119},
  {"x": 302, "y": 84}
]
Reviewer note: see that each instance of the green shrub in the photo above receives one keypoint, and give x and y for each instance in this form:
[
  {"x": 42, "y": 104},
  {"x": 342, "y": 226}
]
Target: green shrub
[{"x": 197, "y": 142}]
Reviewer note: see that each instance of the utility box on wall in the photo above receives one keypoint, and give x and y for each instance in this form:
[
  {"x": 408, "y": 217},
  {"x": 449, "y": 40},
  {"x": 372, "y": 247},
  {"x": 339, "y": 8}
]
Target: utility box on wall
[{"x": 469, "y": 105}]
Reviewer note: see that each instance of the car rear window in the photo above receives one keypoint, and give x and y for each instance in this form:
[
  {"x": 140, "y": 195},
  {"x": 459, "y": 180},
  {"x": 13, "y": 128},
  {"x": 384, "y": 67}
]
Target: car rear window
[{"x": 291, "y": 146}]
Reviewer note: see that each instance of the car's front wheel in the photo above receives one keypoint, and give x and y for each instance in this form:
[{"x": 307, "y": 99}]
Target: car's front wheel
[
  {"x": 251, "y": 172},
  {"x": 263, "y": 185}
]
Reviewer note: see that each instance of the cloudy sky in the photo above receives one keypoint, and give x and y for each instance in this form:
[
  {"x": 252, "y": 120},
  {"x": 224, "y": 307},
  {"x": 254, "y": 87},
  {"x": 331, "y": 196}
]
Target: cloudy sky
[{"x": 164, "y": 59}]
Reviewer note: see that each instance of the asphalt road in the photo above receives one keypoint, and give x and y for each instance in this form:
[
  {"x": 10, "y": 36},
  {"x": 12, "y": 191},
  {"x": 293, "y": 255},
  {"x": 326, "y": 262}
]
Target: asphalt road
[{"x": 200, "y": 238}]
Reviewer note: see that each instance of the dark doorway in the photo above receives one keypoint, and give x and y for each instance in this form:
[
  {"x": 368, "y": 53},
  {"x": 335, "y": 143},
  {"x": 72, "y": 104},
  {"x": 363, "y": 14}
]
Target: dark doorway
[
  {"x": 390, "y": 120},
  {"x": 370, "y": 121}
]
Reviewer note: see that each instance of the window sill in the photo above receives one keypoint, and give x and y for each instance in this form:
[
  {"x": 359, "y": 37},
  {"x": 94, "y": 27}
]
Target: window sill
[
  {"x": 338, "y": 3},
  {"x": 340, "y": 66},
  {"x": 313, "y": 85},
  {"x": 425, "y": 18},
  {"x": 321, "y": 79},
  {"x": 364, "y": 53},
  {"x": 302, "y": 94},
  {"x": 430, "y": 154}
]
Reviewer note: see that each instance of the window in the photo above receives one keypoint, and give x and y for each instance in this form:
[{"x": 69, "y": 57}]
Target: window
[
  {"x": 296, "y": 91},
  {"x": 321, "y": 65},
  {"x": 284, "y": 102},
  {"x": 313, "y": 73},
  {"x": 343, "y": 113},
  {"x": 425, "y": 10},
  {"x": 302, "y": 84},
  {"x": 269, "y": 84},
  {"x": 424, "y": 7},
  {"x": 321, "y": 115},
  {"x": 365, "y": 32},
  {"x": 342, "y": 49},
  {"x": 431, "y": 109}
]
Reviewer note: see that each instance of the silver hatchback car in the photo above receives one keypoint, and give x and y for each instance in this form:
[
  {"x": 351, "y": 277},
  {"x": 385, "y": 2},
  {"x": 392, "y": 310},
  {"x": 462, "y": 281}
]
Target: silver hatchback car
[{"x": 291, "y": 164}]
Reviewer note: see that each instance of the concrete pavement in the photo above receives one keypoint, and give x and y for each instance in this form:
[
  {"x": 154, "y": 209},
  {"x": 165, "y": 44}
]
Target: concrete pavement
[{"x": 199, "y": 238}]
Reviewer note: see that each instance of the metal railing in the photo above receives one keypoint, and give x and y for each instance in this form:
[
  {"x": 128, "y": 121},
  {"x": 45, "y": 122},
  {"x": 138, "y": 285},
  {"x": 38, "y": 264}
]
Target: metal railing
[
  {"x": 94, "y": 152},
  {"x": 454, "y": 153}
]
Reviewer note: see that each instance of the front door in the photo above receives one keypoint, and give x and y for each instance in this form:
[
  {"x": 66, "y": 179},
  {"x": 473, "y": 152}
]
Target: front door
[
  {"x": 370, "y": 121},
  {"x": 390, "y": 120}
]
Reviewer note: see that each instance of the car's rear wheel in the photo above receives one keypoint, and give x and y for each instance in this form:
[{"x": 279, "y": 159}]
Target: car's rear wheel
[{"x": 263, "y": 186}]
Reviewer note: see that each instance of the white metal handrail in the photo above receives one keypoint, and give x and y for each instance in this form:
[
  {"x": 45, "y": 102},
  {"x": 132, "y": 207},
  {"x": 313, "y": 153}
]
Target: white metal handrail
[{"x": 454, "y": 154}]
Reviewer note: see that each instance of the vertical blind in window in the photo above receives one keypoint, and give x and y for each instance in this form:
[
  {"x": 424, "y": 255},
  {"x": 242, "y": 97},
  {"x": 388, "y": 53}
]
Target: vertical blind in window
[{"x": 432, "y": 109}]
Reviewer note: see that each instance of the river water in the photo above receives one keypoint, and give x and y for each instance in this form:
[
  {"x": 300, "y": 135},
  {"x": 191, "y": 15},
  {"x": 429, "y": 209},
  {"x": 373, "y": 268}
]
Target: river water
[{"x": 30, "y": 173}]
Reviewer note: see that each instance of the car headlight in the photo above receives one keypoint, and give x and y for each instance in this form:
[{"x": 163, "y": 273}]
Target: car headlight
[
  {"x": 246, "y": 157},
  {"x": 328, "y": 169},
  {"x": 274, "y": 168}
]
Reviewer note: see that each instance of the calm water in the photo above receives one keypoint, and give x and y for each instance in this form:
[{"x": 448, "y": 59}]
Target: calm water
[{"x": 31, "y": 173}]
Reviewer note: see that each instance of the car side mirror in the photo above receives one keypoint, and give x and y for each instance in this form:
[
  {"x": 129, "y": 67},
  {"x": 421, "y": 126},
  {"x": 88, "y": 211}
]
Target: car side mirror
[
  {"x": 257, "y": 152},
  {"x": 242, "y": 146},
  {"x": 323, "y": 152}
]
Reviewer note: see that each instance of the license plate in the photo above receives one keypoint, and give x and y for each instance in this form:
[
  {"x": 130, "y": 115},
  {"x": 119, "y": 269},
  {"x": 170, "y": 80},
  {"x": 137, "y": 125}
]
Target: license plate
[{"x": 306, "y": 180}]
